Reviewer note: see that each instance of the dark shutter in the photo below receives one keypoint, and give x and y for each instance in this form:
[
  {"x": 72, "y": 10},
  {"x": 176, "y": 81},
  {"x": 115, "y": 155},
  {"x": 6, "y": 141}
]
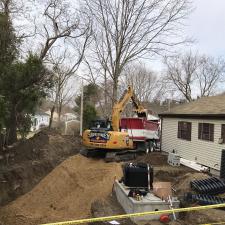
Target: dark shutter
[
  {"x": 200, "y": 131},
  {"x": 189, "y": 131},
  {"x": 223, "y": 132},
  {"x": 179, "y": 130},
  {"x": 211, "y": 132}
]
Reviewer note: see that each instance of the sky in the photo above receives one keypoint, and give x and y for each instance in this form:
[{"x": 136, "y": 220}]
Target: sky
[{"x": 206, "y": 25}]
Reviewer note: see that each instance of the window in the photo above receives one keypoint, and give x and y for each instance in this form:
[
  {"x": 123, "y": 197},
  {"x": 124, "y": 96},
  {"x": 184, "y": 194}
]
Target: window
[
  {"x": 206, "y": 131},
  {"x": 184, "y": 130},
  {"x": 223, "y": 132}
]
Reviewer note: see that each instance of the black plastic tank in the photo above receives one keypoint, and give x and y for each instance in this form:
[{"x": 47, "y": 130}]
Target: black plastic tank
[{"x": 138, "y": 175}]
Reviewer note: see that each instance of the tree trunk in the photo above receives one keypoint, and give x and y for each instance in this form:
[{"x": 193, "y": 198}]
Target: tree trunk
[
  {"x": 1, "y": 142},
  {"x": 59, "y": 113},
  {"x": 51, "y": 116},
  {"x": 115, "y": 89},
  {"x": 12, "y": 126},
  {"x": 106, "y": 108}
]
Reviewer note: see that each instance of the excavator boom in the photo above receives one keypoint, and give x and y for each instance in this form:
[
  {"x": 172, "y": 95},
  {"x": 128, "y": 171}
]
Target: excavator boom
[{"x": 120, "y": 105}]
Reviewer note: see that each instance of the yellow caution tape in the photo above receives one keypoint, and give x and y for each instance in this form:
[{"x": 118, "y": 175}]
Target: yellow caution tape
[
  {"x": 218, "y": 223},
  {"x": 124, "y": 216}
]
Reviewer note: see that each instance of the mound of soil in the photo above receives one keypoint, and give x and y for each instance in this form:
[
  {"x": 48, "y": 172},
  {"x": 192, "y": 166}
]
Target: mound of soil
[
  {"x": 108, "y": 207},
  {"x": 30, "y": 160},
  {"x": 153, "y": 158},
  {"x": 65, "y": 194},
  {"x": 182, "y": 184}
]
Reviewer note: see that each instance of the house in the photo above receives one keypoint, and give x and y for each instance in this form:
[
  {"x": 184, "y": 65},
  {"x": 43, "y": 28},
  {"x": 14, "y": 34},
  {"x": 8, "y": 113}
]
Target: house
[
  {"x": 55, "y": 116},
  {"x": 39, "y": 120},
  {"x": 196, "y": 131},
  {"x": 69, "y": 116}
]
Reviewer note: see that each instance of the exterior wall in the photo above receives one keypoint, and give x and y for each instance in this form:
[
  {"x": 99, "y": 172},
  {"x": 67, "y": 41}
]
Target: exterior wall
[
  {"x": 40, "y": 120},
  {"x": 55, "y": 115},
  {"x": 69, "y": 116},
  {"x": 204, "y": 152}
]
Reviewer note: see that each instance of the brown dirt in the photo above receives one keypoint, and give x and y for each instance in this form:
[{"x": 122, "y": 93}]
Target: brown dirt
[
  {"x": 153, "y": 158},
  {"x": 182, "y": 183},
  {"x": 32, "y": 159},
  {"x": 108, "y": 207},
  {"x": 66, "y": 193},
  {"x": 81, "y": 187}
]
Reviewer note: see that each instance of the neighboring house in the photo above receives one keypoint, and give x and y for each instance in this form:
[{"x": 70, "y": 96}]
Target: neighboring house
[
  {"x": 55, "y": 115},
  {"x": 39, "y": 120},
  {"x": 69, "y": 116},
  {"x": 196, "y": 130}
]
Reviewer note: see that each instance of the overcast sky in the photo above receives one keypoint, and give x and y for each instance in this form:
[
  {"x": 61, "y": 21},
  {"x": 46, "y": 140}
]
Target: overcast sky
[{"x": 207, "y": 25}]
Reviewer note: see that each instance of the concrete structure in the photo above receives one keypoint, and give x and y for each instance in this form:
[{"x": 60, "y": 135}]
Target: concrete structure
[
  {"x": 148, "y": 203},
  {"x": 39, "y": 120},
  {"x": 196, "y": 131}
]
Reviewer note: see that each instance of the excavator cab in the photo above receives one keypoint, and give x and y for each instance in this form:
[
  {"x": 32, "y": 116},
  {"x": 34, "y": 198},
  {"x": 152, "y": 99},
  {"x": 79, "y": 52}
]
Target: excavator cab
[{"x": 101, "y": 124}]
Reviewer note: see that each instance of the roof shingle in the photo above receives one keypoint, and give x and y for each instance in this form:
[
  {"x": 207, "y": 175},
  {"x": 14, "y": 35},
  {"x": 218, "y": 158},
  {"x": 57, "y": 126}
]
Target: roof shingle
[{"x": 213, "y": 105}]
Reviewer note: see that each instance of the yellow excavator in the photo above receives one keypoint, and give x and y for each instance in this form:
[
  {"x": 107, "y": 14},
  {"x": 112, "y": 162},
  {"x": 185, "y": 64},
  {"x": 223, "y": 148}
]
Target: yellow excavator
[{"x": 107, "y": 134}]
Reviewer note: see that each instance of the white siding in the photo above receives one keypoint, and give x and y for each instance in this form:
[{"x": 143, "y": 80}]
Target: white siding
[
  {"x": 204, "y": 152},
  {"x": 40, "y": 120}
]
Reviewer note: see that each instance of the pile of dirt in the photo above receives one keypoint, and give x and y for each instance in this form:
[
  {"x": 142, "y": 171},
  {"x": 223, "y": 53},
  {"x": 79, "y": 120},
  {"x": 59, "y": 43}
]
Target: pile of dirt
[
  {"x": 108, "y": 207},
  {"x": 153, "y": 158},
  {"x": 64, "y": 194},
  {"x": 182, "y": 184},
  {"x": 32, "y": 159}
]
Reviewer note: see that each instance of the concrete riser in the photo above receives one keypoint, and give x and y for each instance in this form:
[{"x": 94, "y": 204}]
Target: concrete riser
[{"x": 130, "y": 205}]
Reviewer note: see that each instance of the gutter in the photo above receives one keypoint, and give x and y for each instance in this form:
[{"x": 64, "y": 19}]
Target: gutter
[{"x": 182, "y": 115}]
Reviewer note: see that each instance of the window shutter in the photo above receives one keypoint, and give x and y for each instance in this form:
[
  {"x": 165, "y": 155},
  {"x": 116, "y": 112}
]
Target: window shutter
[
  {"x": 189, "y": 131},
  {"x": 223, "y": 132},
  {"x": 179, "y": 130},
  {"x": 199, "y": 130},
  {"x": 211, "y": 132}
]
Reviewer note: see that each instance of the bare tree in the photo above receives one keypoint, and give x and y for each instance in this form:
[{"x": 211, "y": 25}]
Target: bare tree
[
  {"x": 209, "y": 74},
  {"x": 130, "y": 29},
  {"x": 181, "y": 72},
  {"x": 63, "y": 73},
  {"x": 62, "y": 23},
  {"x": 194, "y": 75},
  {"x": 98, "y": 76},
  {"x": 143, "y": 81}
]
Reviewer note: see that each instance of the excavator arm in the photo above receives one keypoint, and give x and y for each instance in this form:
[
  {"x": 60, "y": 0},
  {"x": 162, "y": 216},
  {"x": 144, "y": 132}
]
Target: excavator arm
[{"x": 121, "y": 104}]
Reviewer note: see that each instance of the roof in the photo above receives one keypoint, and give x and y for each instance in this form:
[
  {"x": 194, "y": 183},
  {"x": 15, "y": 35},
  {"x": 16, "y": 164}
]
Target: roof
[
  {"x": 213, "y": 106},
  {"x": 40, "y": 113}
]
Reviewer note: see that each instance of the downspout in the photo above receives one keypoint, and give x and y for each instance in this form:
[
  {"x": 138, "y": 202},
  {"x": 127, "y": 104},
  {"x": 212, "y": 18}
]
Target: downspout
[{"x": 161, "y": 124}]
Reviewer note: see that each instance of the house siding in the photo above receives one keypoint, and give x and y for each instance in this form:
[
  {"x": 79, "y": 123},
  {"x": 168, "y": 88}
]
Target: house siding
[
  {"x": 204, "y": 152},
  {"x": 40, "y": 120}
]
